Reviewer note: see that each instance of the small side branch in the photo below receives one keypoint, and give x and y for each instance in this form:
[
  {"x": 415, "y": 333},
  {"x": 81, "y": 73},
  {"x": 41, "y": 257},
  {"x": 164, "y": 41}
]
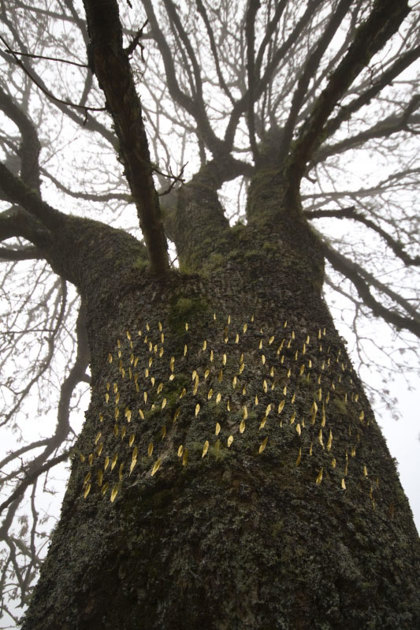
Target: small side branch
[{"x": 351, "y": 271}]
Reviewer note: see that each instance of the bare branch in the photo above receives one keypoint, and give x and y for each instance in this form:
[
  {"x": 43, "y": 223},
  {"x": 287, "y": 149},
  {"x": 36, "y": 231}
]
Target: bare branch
[
  {"x": 383, "y": 21},
  {"x": 352, "y": 271},
  {"x": 112, "y": 68},
  {"x": 350, "y": 213}
]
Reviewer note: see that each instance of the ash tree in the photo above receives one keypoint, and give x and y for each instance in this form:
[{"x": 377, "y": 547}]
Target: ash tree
[{"x": 229, "y": 471}]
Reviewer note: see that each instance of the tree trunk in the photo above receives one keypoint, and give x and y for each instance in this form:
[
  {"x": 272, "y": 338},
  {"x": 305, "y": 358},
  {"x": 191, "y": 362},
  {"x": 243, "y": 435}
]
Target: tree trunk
[{"x": 230, "y": 473}]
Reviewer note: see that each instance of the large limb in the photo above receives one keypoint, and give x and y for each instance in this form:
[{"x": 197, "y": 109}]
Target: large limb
[
  {"x": 112, "y": 68},
  {"x": 383, "y": 21}
]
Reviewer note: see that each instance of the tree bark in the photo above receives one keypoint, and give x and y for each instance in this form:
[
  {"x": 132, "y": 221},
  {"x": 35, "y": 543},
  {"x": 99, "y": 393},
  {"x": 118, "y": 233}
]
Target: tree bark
[{"x": 230, "y": 473}]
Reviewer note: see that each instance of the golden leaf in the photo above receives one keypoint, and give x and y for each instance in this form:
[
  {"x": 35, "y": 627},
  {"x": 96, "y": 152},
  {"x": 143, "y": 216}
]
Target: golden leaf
[
  {"x": 116, "y": 430},
  {"x": 152, "y": 380},
  {"x": 180, "y": 450},
  {"x": 114, "y": 461},
  {"x": 99, "y": 449},
  {"x": 218, "y": 398},
  {"x": 333, "y": 462},
  {"x": 362, "y": 415},
  {"x": 185, "y": 350},
  {"x": 293, "y": 417},
  {"x": 299, "y": 457},
  {"x": 133, "y": 463},
  {"x": 242, "y": 426},
  {"x": 141, "y": 414},
  {"x": 262, "y": 445},
  {"x": 320, "y": 438},
  {"x": 220, "y": 376},
  {"x": 182, "y": 394},
  {"x": 114, "y": 493},
  {"x": 298, "y": 429},
  {"x": 319, "y": 477},
  {"x": 265, "y": 386},
  {"x": 185, "y": 457},
  {"x": 245, "y": 327},
  {"x": 224, "y": 359},
  {"x": 120, "y": 471},
  {"x": 87, "y": 490},
  {"x": 100, "y": 477},
  {"x": 107, "y": 397},
  {"x": 211, "y": 355},
  {"x": 131, "y": 439},
  {"x": 145, "y": 397},
  {"x": 330, "y": 439},
  {"x": 262, "y": 423},
  {"x": 210, "y": 393},
  {"x": 90, "y": 459},
  {"x": 343, "y": 484},
  {"x": 197, "y": 409},
  {"x": 281, "y": 406},
  {"x": 128, "y": 415},
  {"x": 150, "y": 449},
  {"x": 106, "y": 462},
  {"x": 310, "y": 449},
  {"x": 110, "y": 358},
  {"x": 234, "y": 382},
  {"x": 205, "y": 448},
  {"x": 228, "y": 405},
  {"x": 285, "y": 390},
  {"x": 176, "y": 414},
  {"x": 237, "y": 338},
  {"x": 123, "y": 432},
  {"x": 229, "y": 441},
  {"x": 204, "y": 344},
  {"x": 156, "y": 466},
  {"x": 268, "y": 409},
  {"x": 365, "y": 471}
]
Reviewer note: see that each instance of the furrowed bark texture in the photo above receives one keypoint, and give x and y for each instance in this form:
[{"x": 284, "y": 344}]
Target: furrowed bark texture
[{"x": 261, "y": 493}]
